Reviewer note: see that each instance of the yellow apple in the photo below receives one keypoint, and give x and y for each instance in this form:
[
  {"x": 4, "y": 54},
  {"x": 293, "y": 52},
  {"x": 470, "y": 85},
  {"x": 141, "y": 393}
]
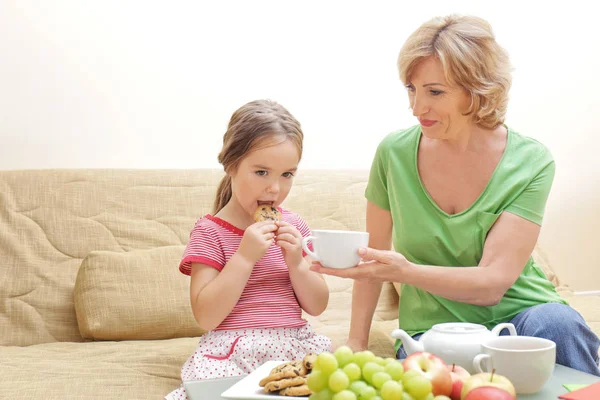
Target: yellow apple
[{"x": 433, "y": 368}]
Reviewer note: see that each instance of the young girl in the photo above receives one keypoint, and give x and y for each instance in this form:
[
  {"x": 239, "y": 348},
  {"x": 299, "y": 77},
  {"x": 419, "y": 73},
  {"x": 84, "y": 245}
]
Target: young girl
[{"x": 249, "y": 280}]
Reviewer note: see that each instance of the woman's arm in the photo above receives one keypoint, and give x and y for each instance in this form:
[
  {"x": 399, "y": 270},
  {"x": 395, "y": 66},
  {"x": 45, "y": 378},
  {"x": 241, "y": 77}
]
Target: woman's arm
[
  {"x": 365, "y": 294},
  {"x": 507, "y": 248},
  {"x": 214, "y": 294}
]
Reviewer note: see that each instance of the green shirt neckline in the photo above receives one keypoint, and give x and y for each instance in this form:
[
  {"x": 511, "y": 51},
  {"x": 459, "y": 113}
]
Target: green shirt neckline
[{"x": 483, "y": 192}]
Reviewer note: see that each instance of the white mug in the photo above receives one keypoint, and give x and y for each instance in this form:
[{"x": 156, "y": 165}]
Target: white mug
[
  {"x": 527, "y": 361},
  {"x": 336, "y": 249}
]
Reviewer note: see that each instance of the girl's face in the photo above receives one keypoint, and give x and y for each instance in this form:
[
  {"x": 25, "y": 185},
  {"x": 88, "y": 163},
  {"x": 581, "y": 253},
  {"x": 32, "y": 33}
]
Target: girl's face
[
  {"x": 438, "y": 105},
  {"x": 265, "y": 175}
]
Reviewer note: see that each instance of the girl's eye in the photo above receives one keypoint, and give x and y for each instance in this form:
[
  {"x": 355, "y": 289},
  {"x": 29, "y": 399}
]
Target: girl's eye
[
  {"x": 261, "y": 173},
  {"x": 287, "y": 174}
]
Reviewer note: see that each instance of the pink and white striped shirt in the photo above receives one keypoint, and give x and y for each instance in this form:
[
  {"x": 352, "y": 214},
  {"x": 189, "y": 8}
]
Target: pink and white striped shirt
[{"x": 268, "y": 300}]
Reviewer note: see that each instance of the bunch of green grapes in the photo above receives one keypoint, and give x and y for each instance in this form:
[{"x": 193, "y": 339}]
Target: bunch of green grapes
[{"x": 345, "y": 375}]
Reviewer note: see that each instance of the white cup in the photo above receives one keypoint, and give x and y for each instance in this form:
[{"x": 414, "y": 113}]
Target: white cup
[
  {"x": 336, "y": 249},
  {"x": 528, "y": 362}
]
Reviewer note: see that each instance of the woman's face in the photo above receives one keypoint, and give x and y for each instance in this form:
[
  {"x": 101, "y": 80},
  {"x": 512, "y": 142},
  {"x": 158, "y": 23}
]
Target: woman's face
[{"x": 438, "y": 105}]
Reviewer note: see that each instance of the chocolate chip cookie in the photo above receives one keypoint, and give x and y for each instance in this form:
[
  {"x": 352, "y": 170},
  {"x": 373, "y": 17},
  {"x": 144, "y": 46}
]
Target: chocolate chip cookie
[
  {"x": 301, "y": 390},
  {"x": 266, "y": 212}
]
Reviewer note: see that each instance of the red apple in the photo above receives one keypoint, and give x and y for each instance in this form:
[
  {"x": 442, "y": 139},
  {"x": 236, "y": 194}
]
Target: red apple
[
  {"x": 459, "y": 375},
  {"x": 433, "y": 368},
  {"x": 489, "y": 393},
  {"x": 488, "y": 386}
]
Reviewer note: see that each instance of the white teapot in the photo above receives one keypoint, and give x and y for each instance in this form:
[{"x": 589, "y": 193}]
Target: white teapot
[{"x": 454, "y": 342}]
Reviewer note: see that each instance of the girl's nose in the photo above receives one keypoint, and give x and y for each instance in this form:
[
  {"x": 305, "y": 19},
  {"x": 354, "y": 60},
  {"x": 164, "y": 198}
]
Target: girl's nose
[{"x": 273, "y": 187}]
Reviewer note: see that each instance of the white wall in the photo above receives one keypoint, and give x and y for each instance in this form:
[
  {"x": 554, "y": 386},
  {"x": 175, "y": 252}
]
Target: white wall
[{"x": 152, "y": 85}]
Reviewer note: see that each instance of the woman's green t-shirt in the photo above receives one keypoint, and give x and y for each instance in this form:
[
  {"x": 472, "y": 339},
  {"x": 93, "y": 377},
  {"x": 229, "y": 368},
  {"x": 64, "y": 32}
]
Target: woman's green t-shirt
[{"x": 426, "y": 235}]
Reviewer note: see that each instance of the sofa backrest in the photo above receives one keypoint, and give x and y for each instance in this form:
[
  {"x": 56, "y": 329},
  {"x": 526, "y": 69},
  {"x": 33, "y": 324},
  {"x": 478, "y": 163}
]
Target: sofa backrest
[{"x": 51, "y": 220}]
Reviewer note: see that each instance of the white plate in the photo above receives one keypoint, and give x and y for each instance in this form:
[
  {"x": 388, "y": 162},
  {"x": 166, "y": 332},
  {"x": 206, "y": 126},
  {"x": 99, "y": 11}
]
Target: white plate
[
  {"x": 248, "y": 388},
  {"x": 209, "y": 389}
]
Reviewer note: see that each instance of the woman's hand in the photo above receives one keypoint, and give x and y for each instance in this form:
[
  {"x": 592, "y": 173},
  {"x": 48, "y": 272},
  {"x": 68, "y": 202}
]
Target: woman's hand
[
  {"x": 289, "y": 239},
  {"x": 377, "y": 266},
  {"x": 257, "y": 239}
]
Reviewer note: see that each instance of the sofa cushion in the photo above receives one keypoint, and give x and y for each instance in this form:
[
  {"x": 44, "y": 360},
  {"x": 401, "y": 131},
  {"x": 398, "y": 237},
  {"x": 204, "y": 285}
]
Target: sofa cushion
[
  {"x": 134, "y": 295},
  {"x": 330, "y": 199},
  {"x": 144, "y": 369},
  {"x": 52, "y": 219}
]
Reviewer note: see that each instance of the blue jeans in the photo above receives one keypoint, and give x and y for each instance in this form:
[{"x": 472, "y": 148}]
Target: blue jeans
[{"x": 576, "y": 344}]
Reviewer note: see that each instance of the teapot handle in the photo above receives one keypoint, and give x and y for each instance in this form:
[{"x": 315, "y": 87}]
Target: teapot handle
[{"x": 511, "y": 329}]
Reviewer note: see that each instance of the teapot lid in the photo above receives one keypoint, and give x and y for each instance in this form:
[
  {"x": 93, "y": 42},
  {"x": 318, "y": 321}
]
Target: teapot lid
[{"x": 459, "y": 327}]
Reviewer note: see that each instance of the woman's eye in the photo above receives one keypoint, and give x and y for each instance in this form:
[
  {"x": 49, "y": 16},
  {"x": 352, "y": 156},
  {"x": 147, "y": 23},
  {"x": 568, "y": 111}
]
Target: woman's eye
[
  {"x": 261, "y": 173},
  {"x": 436, "y": 92},
  {"x": 410, "y": 88}
]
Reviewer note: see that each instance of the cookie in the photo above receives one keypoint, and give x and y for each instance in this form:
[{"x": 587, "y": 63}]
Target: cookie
[
  {"x": 301, "y": 390},
  {"x": 277, "y": 376},
  {"x": 288, "y": 369},
  {"x": 265, "y": 212},
  {"x": 309, "y": 361},
  {"x": 287, "y": 365},
  {"x": 276, "y": 386}
]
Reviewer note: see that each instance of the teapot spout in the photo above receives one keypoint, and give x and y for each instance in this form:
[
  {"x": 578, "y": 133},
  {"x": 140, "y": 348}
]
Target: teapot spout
[{"x": 410, "y": 345}]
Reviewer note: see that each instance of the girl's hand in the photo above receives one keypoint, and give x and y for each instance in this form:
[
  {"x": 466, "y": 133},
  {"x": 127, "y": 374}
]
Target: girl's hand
[
  {"x": 377, "y": 266},
  {"x": 257, "y": 239},
  {"x": 290, "y": 241}
]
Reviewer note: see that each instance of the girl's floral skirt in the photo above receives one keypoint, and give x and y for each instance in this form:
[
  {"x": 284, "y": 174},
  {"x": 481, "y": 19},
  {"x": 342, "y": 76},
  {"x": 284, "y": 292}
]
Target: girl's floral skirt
[{"x": 238, "y": 352}]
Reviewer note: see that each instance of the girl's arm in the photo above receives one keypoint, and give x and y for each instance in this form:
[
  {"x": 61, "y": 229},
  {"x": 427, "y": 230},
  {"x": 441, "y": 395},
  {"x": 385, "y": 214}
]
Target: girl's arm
[
  {"x": 310, "y": 288},
  {"x": 214, "y": 294},
  {"x": 365, "y": 294}
]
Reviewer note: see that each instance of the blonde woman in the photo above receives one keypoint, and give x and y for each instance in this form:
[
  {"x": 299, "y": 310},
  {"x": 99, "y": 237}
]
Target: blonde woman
[{"x": 461, "y": 196}]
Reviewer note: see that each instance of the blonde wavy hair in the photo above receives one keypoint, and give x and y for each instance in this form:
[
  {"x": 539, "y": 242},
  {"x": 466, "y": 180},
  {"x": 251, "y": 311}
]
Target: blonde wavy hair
[{"x": 471, "y": 58}]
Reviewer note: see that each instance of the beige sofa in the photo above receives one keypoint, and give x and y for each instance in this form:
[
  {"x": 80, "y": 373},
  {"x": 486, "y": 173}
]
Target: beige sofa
[{"x": 91, "y": 301}]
